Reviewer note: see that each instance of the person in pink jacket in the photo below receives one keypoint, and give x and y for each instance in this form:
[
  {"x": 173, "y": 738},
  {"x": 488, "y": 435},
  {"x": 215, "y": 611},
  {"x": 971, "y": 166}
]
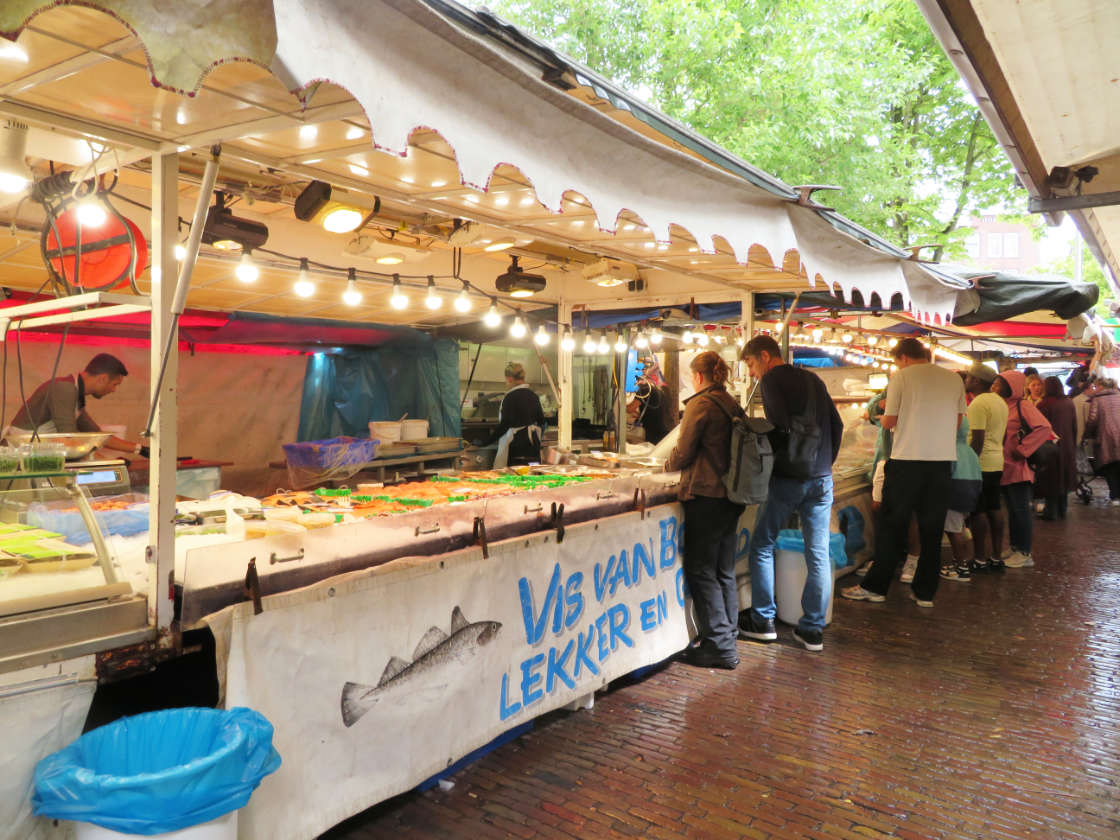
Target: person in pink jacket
[{"x": 1017, "y": 473}]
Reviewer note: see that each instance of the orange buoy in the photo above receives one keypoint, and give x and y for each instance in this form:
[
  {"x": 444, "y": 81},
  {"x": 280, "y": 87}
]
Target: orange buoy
[{"x": 106, "y": 254}]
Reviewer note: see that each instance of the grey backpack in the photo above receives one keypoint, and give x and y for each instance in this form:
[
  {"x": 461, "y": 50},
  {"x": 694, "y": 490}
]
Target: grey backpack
[{"x": 747, "y": 479}]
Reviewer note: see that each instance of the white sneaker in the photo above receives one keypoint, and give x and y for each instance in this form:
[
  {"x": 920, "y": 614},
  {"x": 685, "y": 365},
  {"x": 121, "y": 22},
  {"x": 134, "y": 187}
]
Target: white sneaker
[
  {"x": 1018, "y": 560},
  {"x": 909, "y": 568},
  {"x": 1115, "y": 503}
]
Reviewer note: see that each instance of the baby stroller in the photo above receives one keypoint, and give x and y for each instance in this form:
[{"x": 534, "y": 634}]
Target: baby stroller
[{"x": 1086, "y": 472}]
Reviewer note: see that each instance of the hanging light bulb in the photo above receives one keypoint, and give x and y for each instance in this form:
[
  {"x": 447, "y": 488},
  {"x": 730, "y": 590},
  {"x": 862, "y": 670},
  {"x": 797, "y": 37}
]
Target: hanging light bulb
[
  {"x": 492, "y": 319},
  {"x": 462, "y": 301},
  {"x": 655, "y": 337},
  {"x": 180, "y": 251},
  {"x": 702, "y": 339},
  {"x": 620, "y": 345},
  {"x": 892, "y": 343},
  {"x": 818, "y": 334},
  {"x": 433, "y": 301},
  {"x": 517, "y": 328},
  {"x": 542, "y": 337},
  {"x": 588, "y": 343},
  {"x": 91, "y": 213},
  {"x": 351, "y": 297},
  {"x": 641, "y": 342},
  {"x": 398, "y": 300},
  {"x": 687, "y": 337},
  {"x": 304, "y": 286},
  {"x": 567, "y": 343},
  {"x": 246, "y": 271},
  {"x": 872, "y": 340},
  {"x": 847, "y": 338},
  {"x": 603, "y": 346}
]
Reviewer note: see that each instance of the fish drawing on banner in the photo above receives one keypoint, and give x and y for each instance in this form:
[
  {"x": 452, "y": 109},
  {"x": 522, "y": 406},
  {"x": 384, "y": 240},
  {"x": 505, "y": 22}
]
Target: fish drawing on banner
[{"x": 435, "y": 652}]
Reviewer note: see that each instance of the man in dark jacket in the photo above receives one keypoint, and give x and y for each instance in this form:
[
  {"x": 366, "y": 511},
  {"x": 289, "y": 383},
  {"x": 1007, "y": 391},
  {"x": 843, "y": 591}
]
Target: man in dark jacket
[{"x": 801, "y": 481}]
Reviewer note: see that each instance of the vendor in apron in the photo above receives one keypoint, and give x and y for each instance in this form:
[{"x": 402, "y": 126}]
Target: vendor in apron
[
  {"x": 520, "y": 422},
  {"x": 59, "y": 406}
]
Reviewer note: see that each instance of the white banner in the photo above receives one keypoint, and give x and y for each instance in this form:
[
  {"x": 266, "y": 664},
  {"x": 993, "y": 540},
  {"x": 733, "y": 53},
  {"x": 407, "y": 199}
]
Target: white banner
[{"x": 380, "y": 679}]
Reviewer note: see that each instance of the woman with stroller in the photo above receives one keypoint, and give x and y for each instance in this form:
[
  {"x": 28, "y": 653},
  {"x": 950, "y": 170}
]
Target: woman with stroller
[
  {"x": 1104, "y": 426},
  {"x": 1060, "y": 476}
]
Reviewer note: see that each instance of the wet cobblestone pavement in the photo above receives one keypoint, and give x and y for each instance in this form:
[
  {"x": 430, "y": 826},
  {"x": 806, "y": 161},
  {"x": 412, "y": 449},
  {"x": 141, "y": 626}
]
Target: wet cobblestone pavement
[{"x": 994, "y": 715}]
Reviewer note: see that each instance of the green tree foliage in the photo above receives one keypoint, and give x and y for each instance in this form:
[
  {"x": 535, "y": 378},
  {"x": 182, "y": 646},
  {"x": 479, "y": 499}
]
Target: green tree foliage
[{"x": 815, "y": 91}]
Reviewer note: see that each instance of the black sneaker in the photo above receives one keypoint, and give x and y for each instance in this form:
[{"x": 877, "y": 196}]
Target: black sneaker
[
  {"x": 703, "y": 656},
  {"x": 981, "y": 567},
  {"x": 996, "y": 565},
  {"x": 961, "y": 573},
  {"x": 756, "y": 629},
  {"x": 811, "y": 639}
]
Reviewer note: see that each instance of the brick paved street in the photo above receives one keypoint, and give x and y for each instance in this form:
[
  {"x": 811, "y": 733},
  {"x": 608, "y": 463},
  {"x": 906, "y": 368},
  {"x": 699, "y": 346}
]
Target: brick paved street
[{"x": 994, "y": 715}]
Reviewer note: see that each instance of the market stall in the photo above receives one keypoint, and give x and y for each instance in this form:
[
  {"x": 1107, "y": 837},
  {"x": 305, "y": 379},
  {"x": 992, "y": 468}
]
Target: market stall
[{"x": 526, "y": 198}]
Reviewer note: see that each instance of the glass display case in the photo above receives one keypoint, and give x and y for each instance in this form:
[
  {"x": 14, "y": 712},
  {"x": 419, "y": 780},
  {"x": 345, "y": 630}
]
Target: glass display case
[{"x": 59, "y": 592}]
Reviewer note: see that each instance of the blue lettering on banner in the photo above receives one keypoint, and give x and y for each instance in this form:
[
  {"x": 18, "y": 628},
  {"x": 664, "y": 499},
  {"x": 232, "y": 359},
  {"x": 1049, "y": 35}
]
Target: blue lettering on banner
[{"x": 563, "y": 664}]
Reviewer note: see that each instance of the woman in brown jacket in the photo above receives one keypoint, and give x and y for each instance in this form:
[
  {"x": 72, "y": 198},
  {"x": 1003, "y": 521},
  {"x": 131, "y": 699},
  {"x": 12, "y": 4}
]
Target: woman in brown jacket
[{"x": 711, "y": 522}]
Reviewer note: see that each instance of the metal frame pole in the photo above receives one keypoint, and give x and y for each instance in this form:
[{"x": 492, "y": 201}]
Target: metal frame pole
[
  {"x": 164, "y": 421},
  {"x": 564, "y": 373}
]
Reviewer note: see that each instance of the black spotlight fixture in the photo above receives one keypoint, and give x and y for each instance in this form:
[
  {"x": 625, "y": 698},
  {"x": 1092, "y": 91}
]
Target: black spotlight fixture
[
  {"x": 518, "y": 283},
  {"x": 228, "y": 232}
]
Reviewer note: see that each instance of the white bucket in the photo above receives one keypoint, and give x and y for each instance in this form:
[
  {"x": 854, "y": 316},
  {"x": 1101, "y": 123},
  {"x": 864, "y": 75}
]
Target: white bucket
[
  {"x": 414, "y": 429},
  {"x": 386, "y": 431},
  {"x": 790, "y": 575},
  {"x": 223, "y": 828}
]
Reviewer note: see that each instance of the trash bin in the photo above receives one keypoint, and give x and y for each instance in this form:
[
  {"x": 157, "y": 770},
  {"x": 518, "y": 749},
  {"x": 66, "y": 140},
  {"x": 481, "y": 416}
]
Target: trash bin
[
  {"x": 790, "y": 573},
  {"x": 179, "y": 773}
]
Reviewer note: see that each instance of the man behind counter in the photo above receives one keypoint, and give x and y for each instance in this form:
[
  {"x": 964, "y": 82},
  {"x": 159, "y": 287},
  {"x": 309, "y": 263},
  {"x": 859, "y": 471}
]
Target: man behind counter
[{"x": 59, "y": 406}]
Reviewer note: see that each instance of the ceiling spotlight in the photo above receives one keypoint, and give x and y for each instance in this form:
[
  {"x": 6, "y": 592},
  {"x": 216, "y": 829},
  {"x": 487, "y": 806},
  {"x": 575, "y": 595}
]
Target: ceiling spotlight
[
  {"x": 517, "y": 328},
  {"x": 588, "y": 343},
  {"x": 15, "y": 176},
  {"x": 462, "y": 301},
  {"x": 542, "y": 337},
  {"x": 10, "y": 51},
  {"x": 392, "y": 258},
  {"x": 315, "y": 204},
  {"x": 518, "y": 283},
  {"x": 655, "y": 337},
  {"x": 304, "y": 286},
  {"x": 307, "y": 133},
  {"x": 433, "y": 301},
  {"x": 492, "y": 319},
  {"x": 228, "y": 232},
  {"x": 567, "y": 343},
  {"x": 246, "y": 271},
  {"x": 687, "y": 337},
  {"x": 499, "y": 245},
  {"x": 352, "y": 297},
  {"x": 603, "y": 347},
  {"x": 620, "y": 345},
  {"x": 398, "y": 300},
  {"x": 91, "y": 212},
  {"x": 641, "y": 342}
]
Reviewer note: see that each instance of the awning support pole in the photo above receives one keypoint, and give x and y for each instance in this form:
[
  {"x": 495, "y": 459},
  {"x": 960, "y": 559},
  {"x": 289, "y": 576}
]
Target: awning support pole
[
  {"x": 564, "y": 372},
  {"x": 202, "y": 206},
  {"x": 163, "y": 422}
]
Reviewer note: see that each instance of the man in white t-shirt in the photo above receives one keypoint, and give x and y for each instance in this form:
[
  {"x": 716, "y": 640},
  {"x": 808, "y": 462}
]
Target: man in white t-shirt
[{"x": 925, "y": 404}]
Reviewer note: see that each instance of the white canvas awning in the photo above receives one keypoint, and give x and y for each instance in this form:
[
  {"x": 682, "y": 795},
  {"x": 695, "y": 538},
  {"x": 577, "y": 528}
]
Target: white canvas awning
[{"x": 410, "y": 68}]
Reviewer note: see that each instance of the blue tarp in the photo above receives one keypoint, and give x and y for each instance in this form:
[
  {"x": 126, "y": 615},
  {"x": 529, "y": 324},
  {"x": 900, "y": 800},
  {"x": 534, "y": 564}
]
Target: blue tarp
[{"x": 343, "y": 392}]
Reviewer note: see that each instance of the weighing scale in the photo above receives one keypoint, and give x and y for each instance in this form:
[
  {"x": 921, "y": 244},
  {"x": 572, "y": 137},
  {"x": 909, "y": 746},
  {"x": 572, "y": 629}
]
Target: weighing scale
[{"x": 101, "y": 478}]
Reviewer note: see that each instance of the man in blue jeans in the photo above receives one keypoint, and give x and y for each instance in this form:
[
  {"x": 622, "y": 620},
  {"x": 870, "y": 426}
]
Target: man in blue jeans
[{"x": 801, "y": 481}]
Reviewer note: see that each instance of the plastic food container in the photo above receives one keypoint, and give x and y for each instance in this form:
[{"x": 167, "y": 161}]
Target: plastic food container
[
  {"x": 9, "y": 459},
  {"x": 43, "y": 457},
  {"x": 414, "y": 429},
  {"x": 387, "y": 430}
]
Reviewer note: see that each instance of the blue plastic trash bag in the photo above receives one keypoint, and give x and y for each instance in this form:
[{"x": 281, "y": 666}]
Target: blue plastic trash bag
[
  {"x": 791, "y": 540},
  {"x": 158, "y": 772}
]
